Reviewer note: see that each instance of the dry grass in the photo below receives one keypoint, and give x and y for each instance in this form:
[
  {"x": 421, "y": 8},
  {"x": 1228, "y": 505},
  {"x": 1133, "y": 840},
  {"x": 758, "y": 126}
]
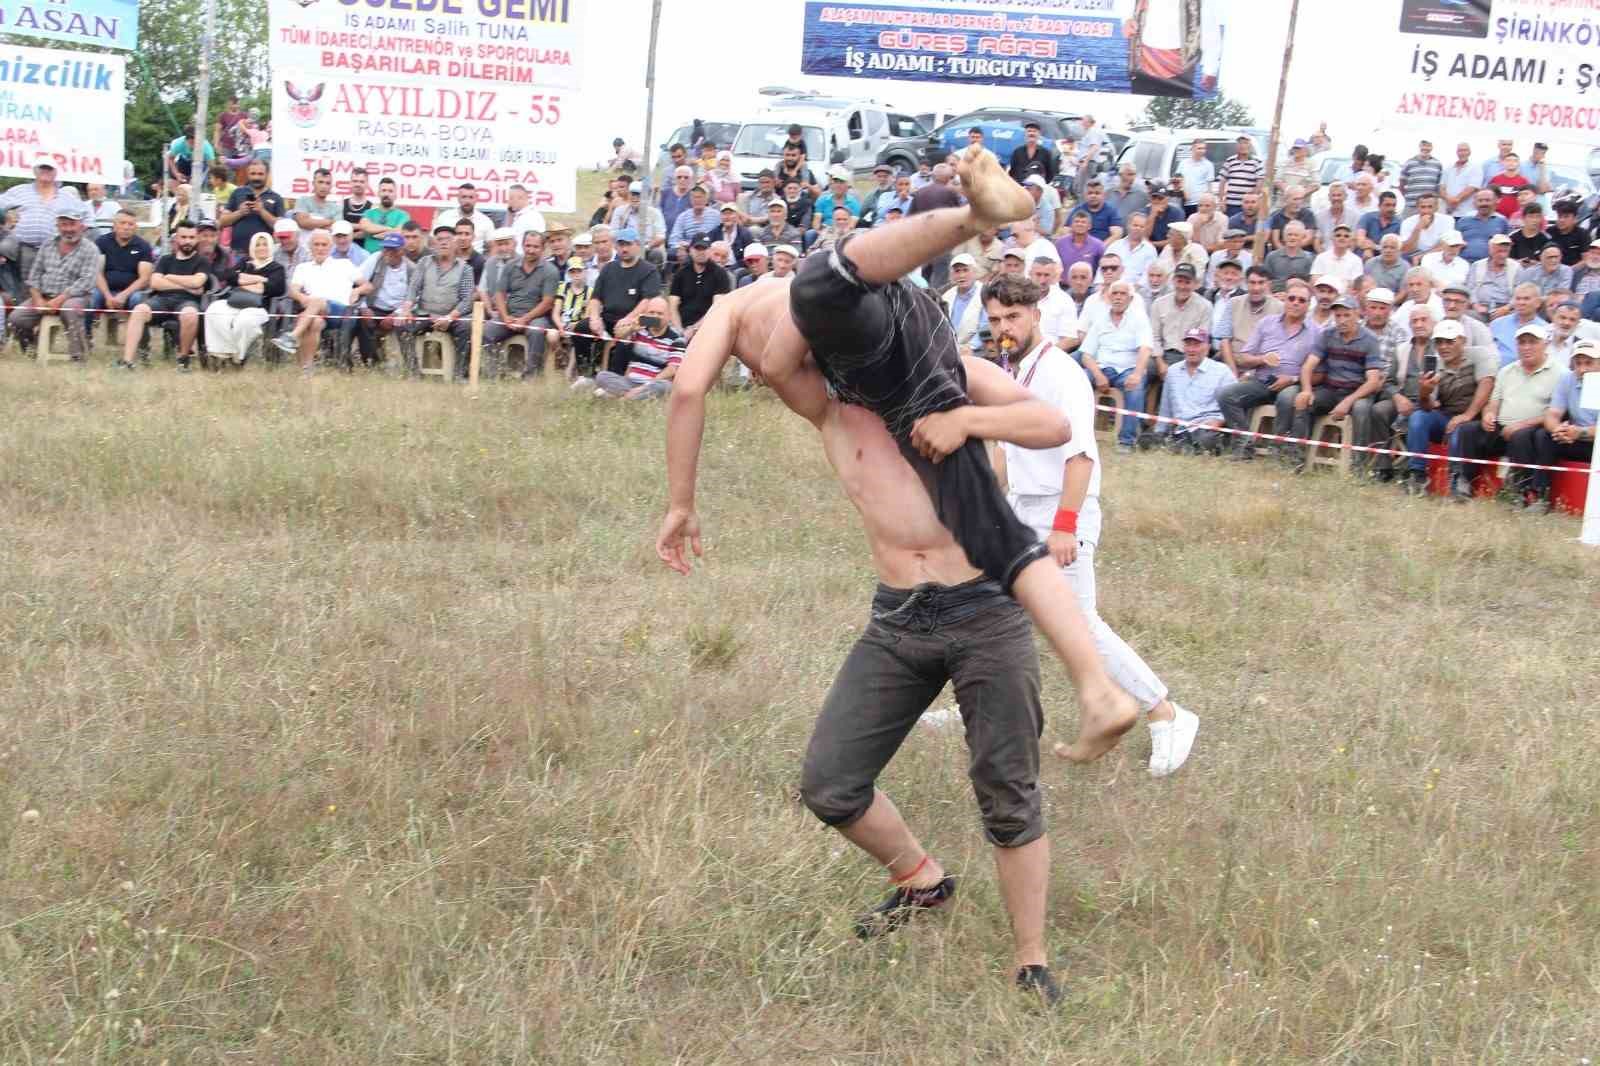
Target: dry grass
[{"x": 362, "y": 727}]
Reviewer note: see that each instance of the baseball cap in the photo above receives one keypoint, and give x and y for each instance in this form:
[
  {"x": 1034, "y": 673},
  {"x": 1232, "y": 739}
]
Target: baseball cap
[
  {"x": 206, "y": 223},
  {"x": 1458, "y": 288},
  {"x": 69, "y": 209},
  {"x": 342, "y": 228},
  {"x": 702, "y": 241},
  {"x": 582, "y": 240},
  {"x": 728, "y": 207},
  {"x": 1013, "y": 251},
  {"x": 626, "y": 233},
  {"x": 786, "y": 249},
  {"x": 1330, "y": 281},
  {"x": 1347, "y": 302},
  {"x": 43, "y": 161},
  {"x": 1230, "y": 263},
  {"x": 1453, "y": 237},
  {"x": 1035, "y": 179},
  {"x": 283, "y": 226},
  {"x": 1181, "y": 227},
  {"x": 1382, "y": 296},
  {"x": 635, "y": 187},
  {"x": 755, "y": 251},
  {"x": 1500, "y": 238},
  {"x": 575, "y": 263},
  {"x": 393, "y": 240},
  {"x": 1233, "y": 234},
  {"x": 1533, "y": 329},
  {"x": 1197, "y": 334},
  {"x": 838, "y": 172},
  {"x": 499, "y": 233},
  {"x": 1300, "y": 143},
  {"x": 1591, "y": 349},
  {"x": 1342, "y": 226},
  {"x": 1158, "y": 190},
  {"x": 1448, "y": 330},
  {"x": 963, "y": 260},
  {"x": 1184, "y": 270},
  {"x": 883, "y": 168},
  {"x": 1031, "y": 124}
]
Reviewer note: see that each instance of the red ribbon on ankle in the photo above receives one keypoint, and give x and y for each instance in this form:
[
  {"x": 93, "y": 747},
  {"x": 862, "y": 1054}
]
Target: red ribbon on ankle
[{"x": 903, "y": 878}]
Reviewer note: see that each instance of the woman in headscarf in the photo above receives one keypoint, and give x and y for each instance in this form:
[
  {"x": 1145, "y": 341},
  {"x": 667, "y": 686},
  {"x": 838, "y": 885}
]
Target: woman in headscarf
[
  {"x": 721, "y": 179},
  {"x": 234, "y": 323}
]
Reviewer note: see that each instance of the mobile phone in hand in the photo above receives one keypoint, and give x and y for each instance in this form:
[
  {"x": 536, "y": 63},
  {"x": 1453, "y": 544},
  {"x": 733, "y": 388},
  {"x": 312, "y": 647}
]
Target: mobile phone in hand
[{"x": 1430, "y": 364}]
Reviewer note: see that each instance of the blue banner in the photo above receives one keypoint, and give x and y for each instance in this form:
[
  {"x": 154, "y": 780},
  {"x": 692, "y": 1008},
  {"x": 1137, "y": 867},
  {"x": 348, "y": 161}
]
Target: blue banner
[
  {"x": 104, "y": 23},
  {"x": 1152, "y": 48}
]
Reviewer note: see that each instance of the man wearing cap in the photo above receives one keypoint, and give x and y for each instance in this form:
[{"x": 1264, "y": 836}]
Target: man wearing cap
[
  {"x": 1047, "y": 203},
  {"x": 1572, "y": 240},
  {"x": 1549, "y": 274},
  {"x": 1457, "y": 302},
  {"x": 731, "y": 232},
  {"x": 756, "y": 265},
  {"x": 777, "y": 229},
  {"x": 440, "y": 300},
  {"x": 1030, "y": 158},
  {"x": 35, "y": 203},
  {"x": 766, "y": 193},
  {"x": 1523, "y": 390},
  {"x": 1347, "y": 359},
  {"x": 839, "y": 192},
  {"x": 385, "y": 280},
  {"x": 1323, "y": 292},
  {"x": 883, "y": 188},
  {"x": 899, "y": 197},
  {"x": 1191, "y": 394},
  {"x": 1235, "y": 320},
  {"x": 1450, "y": 396},
  {"x": 698, "y": 219},
  {"x": 1493, "y": 280},
  {"x": 503, "y": 252},
  {"x": 466, "y": 210},
  {"x": 1479, "y": 226},
  {"x": 963, "y": 302},
  {"x": 695, "y": 287},
  {"x": 522, "y": 299},
  {"x": 1567, "y": 433},
  {"x": 1296, "y": 173},
  {"x": 1181, "y": 249},
  {"x": 61, "y": 280},
  {"x": 1177, "y": 314},
  {"x": 344, "y": 243},
  {"x": 620, "y": 288},
  {"x": 1232, "y": 249},
  {"x": 180, "y": 279},
  {"x": 1404, "y": 350},
  {"x": 1445, "y": 264},
  {"x": 570, "y": 313},
  {"x": 784, "y": 259}
]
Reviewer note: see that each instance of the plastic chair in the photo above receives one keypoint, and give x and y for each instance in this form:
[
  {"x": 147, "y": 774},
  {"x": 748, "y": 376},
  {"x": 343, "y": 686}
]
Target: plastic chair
[
  {"x": 51, "y": 330},
  {"x": 1316, "y": 453},
  {"x": 446, "y": 346}
]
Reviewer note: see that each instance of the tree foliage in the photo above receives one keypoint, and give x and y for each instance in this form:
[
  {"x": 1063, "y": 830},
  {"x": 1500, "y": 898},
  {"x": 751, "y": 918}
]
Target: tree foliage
[{"x": 1178, "y": 113}]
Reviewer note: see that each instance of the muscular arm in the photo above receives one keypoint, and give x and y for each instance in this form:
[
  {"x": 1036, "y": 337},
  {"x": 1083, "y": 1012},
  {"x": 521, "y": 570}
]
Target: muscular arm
[{"x": 1001, "y": 410}]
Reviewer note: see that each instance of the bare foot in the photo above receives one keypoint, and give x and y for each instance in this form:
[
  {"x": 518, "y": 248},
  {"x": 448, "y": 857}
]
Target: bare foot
[
  {"x": 994, "y": 198},
  {"x": 1102, "y": 725}
]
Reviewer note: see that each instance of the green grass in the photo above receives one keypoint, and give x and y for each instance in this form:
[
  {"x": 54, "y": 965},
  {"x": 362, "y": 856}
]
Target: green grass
[{"x": 362, "y": 726}]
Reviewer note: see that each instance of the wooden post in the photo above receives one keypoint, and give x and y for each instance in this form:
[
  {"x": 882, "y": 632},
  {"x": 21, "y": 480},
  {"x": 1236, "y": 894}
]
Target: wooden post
[
  {"x": 1260, "y": 244},
  {"x": 477, "y": 344}
]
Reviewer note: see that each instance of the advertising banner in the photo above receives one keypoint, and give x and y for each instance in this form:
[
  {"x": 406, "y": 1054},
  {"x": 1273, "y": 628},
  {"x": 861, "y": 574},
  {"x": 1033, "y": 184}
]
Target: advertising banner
[
  {"x": 431, "y": 93},
  {"x": 104, "y": 23},
  {"x": 1146, "y": 47},
  {"x": 66, "y": 105},
  {"x": 1516, "y": 69}
]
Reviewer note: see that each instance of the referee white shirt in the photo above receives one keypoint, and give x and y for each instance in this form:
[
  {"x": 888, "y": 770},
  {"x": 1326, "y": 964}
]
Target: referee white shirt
[{"x": 1034, "y": 476}]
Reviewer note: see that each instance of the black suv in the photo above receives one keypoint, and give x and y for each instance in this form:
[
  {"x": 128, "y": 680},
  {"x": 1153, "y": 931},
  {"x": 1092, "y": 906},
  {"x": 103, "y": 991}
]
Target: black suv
[{"x": 1002, "y": 133}]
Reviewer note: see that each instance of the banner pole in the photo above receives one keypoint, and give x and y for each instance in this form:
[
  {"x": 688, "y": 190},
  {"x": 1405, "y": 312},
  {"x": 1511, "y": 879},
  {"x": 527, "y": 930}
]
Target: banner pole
[
  {"x": 477, "y": 345},
  {"x": 1260, "y": 242},
  {"x": 198, "y": 176},
  {"x": 648, "y": 154}
]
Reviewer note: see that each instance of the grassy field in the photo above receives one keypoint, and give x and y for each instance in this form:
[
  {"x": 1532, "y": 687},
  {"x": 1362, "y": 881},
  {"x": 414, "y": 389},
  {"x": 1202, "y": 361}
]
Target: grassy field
[{"x": 353, "y": 722}]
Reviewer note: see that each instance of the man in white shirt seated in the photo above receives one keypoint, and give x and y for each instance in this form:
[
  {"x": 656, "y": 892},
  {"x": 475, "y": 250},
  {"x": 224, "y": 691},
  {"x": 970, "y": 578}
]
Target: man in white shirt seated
[
  {"x": 1058, "y": 315},
  {"x": 324, "y": 287},
  {"x": 1339, "y": 258},
  {"x": 1444, "y": 264}
]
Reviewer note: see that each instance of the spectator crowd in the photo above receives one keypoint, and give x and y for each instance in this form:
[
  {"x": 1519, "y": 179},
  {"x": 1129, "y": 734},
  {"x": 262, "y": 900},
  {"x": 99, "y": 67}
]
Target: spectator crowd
[{"x": 1455, "y": 306}]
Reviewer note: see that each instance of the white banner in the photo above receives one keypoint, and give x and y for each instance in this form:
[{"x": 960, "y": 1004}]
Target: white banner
[
  {"x": 1494, "y": 69},
  {"x": 66, "y": 105},
  {"x": 431, "y": 93}
]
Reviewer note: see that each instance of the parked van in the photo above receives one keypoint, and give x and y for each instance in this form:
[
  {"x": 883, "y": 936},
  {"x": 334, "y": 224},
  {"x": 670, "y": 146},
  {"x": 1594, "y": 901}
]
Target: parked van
[
  {"x": 834, "y": 131},
  {"x": 1156, "y": 153}
]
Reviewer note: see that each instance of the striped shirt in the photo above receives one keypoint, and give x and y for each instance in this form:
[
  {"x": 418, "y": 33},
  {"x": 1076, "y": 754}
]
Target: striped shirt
[
  {"x": 1240, "y": 176},
  {"x": 36, "y": 215},
  {"x": 650, "y": 354},
  {"x": 1420, "y": 176}
]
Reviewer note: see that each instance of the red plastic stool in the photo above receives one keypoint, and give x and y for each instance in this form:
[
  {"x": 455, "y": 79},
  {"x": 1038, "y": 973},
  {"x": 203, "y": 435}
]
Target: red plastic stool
[
  {"x": 1570, "y": 487},
  {"x": 1438, "y": 471}
]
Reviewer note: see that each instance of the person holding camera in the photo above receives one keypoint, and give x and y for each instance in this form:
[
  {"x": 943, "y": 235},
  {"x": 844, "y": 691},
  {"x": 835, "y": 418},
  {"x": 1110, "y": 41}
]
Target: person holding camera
[{"x": 252, "y": 208}]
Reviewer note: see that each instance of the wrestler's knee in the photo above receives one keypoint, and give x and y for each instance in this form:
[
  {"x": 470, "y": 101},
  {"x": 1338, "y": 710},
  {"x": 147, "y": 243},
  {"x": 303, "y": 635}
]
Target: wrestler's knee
[
  {"x": 833, "y": 798},
  {"x": 1013, "y": 813}
]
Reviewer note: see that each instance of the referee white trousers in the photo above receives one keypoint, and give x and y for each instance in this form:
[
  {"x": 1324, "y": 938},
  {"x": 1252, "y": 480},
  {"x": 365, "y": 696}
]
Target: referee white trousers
[{"x": 1129, "y": 671}]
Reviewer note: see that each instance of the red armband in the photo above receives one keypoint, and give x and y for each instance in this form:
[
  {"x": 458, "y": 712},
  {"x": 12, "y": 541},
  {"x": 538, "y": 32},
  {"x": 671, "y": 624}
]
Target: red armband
[{"x": 1066, "y": 521}]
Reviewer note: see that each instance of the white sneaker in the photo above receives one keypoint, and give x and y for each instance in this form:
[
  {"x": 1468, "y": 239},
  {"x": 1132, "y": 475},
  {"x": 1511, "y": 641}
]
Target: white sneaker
[
  {"x": 581, "y": 383},
  {"x": 285, "y": 342},
  {"x": 1171, "y": 742}
]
